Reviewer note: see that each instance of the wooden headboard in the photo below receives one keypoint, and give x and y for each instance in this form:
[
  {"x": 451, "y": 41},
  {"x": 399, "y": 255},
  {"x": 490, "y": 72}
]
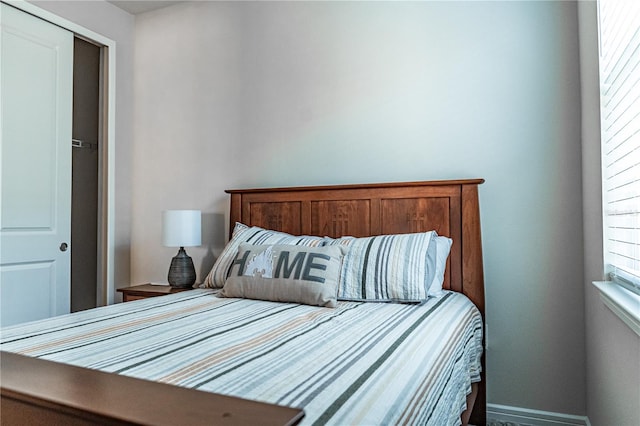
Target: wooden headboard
[{"x": 449, "y": 207}]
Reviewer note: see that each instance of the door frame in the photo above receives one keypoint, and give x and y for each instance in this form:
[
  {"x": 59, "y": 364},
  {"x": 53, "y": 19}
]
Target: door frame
[{"x": 105, "y": 291}]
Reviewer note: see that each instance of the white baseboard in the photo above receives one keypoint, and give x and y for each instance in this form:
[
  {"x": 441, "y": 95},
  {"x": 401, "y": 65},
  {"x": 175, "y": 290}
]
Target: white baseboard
[{"x": 503, "y": 415}]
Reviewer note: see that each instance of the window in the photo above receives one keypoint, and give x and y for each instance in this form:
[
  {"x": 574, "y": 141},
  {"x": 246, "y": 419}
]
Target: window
[{"x": 619, "y": 25}]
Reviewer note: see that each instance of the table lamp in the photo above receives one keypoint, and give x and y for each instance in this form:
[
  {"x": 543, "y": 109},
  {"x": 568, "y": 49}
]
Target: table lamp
[{"x": 181, "y": 228}]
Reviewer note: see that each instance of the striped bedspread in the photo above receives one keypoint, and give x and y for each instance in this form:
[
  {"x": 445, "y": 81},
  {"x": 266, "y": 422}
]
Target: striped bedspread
[{"x": 360, "y": 363}]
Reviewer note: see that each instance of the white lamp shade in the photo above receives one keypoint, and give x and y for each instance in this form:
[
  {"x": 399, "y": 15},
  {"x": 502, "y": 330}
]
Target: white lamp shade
[{"x": 181, "y": 228}]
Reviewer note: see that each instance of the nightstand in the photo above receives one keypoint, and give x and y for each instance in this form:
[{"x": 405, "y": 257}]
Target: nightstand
[{"x": 148, "y": 290}]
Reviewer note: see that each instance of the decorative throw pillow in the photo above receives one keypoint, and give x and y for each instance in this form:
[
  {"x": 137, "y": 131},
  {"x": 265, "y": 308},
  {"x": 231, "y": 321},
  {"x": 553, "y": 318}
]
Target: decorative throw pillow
[
  {"x": 256, "y": 236},
  {"x": 443, "y": 245},
  {"x": 388, "y": 268},
  {"x": 285, "y": 273}
]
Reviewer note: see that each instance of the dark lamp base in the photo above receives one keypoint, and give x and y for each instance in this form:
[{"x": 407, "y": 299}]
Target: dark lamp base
[{"x": 181, "y": 272}]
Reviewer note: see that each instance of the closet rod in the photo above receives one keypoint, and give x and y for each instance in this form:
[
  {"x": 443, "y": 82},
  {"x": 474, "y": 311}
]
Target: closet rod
[{"x": 78, "y": 143}]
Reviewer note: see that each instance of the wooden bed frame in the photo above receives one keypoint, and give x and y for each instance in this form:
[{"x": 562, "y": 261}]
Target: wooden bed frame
[
  {"x": 449, "y": 207},
  {"x": 45, "y": 392}
]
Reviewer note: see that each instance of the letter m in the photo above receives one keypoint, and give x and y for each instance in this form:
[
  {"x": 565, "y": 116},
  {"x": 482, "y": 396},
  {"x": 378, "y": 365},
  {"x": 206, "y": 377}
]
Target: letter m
[{"x": 284, "y": 268}]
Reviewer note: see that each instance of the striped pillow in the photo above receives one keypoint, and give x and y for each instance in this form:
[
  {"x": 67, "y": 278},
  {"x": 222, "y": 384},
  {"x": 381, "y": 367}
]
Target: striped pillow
[
  {"x": 388, "y": 268},
  {"x": 256, "y": 236}
]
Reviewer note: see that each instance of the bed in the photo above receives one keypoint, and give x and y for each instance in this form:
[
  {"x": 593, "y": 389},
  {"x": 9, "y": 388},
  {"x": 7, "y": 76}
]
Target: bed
[{"x": 233, "y": 360}]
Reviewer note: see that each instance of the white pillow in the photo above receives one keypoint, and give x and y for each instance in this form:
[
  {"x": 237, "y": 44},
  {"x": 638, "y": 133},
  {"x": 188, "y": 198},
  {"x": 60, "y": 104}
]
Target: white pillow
[{"x": 443, "y": 247}]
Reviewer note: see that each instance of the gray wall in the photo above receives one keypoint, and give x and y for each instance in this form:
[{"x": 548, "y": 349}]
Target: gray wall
[
  {"x": 263, "y": 93},
  {"x": 612, "y": 348}
]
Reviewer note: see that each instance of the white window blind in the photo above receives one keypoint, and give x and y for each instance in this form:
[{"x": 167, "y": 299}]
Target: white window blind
[{"x": 619, "y": 22}]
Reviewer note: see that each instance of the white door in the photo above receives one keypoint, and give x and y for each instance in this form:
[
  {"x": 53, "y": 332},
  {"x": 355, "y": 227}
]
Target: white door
[{"x": 36, "y": 111}]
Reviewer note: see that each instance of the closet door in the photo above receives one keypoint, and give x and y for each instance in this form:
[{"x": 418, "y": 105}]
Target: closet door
[{"x": 35, "y": 214}]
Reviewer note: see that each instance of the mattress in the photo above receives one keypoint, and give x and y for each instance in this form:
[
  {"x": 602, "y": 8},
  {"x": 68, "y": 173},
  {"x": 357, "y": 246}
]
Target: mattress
[{"x": 358, "y": 363}]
